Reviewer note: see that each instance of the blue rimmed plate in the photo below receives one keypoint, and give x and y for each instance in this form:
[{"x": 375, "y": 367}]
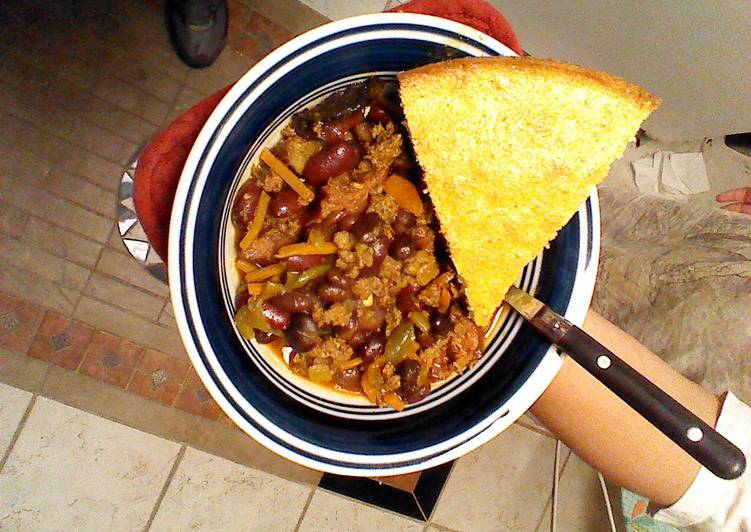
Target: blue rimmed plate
[{"x": 323, "y": 431}]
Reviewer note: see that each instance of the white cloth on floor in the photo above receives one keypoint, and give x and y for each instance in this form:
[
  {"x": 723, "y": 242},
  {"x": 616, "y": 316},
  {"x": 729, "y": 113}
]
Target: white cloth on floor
[{"x": 671, "y": 175}]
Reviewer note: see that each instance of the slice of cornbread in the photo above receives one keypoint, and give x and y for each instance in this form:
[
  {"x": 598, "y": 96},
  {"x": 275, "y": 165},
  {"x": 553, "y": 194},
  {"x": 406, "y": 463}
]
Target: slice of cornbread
[{"x": 511, "y": 147}]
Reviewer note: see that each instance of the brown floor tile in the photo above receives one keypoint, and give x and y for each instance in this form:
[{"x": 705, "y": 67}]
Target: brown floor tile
[
  {"x": 195, "y": 399},
  {"x": 111, "y": 359},
  {"x": 61, "y": 341},
  {"x": 19, "y": 321},
  {"x": 22, "y": 371},
  {"x": 61, "y": 242},
  {"x": 260, "y": 25},
  {"x": 35, "y": 260},
  {"x": 128, "y": 325},
  {"x": 99, "y": 171},
  {"x": 159, "y": 376},
  {"x": 37, "y": 289},
  {"x": 12, "y": 220},
  {"x": 168, "y": 422},
  {"x": 124, "y": 267},
  {"x": 106, "y": 288},
  {"x": 82, "y": 192},
  {"x": 401, "y": 482},
  {"x": 295, "y": 16},
  {"x": 167, "y": 317}
]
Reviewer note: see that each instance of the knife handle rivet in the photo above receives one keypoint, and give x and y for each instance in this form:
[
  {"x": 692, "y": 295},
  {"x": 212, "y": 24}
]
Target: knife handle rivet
[
  {"x": 556, "y": 325},
  {"x": 694, "y": 434},
  {"x": 603, "y": 361}
]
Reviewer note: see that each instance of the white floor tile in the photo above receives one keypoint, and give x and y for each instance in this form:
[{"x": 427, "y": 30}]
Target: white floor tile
[
  {"x": 13, "y": 403},
  {"x": 502, "y": 486},
  {"x": 331, "y": 512},
  {"x": 336, "y": 9},
  {"x": 211, "y": 493},
  {"x": 581, "y": 505},
  {"x": 70, "y": 470}
]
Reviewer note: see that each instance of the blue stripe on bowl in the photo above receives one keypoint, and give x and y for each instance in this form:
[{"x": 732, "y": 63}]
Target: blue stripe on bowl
[{"x": 224, "y": 352}]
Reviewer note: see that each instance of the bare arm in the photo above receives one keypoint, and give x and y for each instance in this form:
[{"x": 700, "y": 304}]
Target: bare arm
[{"x": 609, "y": 435}]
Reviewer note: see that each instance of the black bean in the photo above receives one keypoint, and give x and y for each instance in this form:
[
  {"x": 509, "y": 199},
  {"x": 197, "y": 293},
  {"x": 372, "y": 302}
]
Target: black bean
[
  {"x": 349, "y": 379},
  {"x": 403, "y": 247},
  {"x": 404, "y": 221},
  {"x": 303, "y": 333},
  {"x": 440, "y": 323},
  {"x": 366, "y": 228},
  {"x": 372, "y": 348},
  {"x": 336, "y": 277}
]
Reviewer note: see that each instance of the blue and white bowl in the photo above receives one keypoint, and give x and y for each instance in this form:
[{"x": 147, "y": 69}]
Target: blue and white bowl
[{"x": 331, "y": 431}]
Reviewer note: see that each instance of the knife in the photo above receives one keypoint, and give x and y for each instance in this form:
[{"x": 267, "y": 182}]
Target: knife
[{"x": 702, "y": 442}]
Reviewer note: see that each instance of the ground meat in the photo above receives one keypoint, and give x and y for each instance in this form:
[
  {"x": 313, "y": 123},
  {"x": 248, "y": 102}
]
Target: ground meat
[
  {"x": 344, "y": 240},
  {"x": 296, "y": 151},
  {"x": 431, "y": 294},
  {"x": 269, "y": 181},
  {"x": 277, "y": 232},
  {"x": 371, "y": 285},
  {"x": 385, "y": 206},
  {"x": 387, "y": 146},
  {"x": 334, "y": 348},
  {"x": 362, "y": 132},
  {"x": 341, "y": 194},
  {"x": 337, "y": 315},
  {"x": 423, "y": 266},
  {"x": 465, "y": 344},
  {"x": 351, "y": 262},
  {"x": 391, "y": 274},
  {"x": 393, "y": 319}
]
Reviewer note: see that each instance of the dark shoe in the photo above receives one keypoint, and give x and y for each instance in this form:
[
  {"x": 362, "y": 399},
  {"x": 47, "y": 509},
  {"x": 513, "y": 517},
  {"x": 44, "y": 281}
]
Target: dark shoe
[{"x": 197, "y": 29}]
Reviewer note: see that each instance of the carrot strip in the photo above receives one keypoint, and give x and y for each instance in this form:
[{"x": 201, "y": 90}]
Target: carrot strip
[
  {"x": 289, "y": 177},
  {"x": 404, "y": 193},
  {"x": 266, "y": 273},
  {"x": 445, "y": 301},
  {"x": 353, "y": 363},
  {"x": 306, "y": 248},
  {"x": 255, "y": 289},
  {"x": 244, "y": 266},
  {"x": 258, "y": 218}
]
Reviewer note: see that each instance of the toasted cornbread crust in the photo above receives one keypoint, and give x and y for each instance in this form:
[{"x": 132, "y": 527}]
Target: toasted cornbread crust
[{"x": 511, "y": 147}]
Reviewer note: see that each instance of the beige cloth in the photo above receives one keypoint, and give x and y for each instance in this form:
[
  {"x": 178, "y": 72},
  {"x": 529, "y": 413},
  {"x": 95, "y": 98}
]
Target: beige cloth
[{"x": 677, "y": 276}]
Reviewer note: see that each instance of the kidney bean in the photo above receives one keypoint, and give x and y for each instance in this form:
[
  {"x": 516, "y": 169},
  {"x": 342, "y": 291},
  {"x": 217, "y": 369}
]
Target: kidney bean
[
  {"x": 406, "y": 299},
  {"x": 349, "y": 379},
  {"x": 403, "y": 164},
  {"x": 409, "y": 371},
  {"x": 284, "y": 203},
  {"x": 263, "y": 337},
  {"x": 332, "y": 161},
  {"x": 299, "y": 263},
  {"x": 245, "y": 204},
  {"x": 277, "y": 318},
  {"x": 336, "y": 131},
  {"x": 440, "y": 323},
  {"x": 303, "y": 334},
  {"x": 403, "y": 247},
  {"x": 347, "y": 221},
  {"x": 379, "y": 114},
  {"x": 404, "y": 221},
  {"x": 332, "y": 294},
  {"x": 371, "y": 318},
  {"x": 380, "y": 250},
  {"x": 336, "y": 277},
  {"x": 372, "y": 348},
  {"x": 366, "y": 228},
  {"x": 293, "y": 302}
]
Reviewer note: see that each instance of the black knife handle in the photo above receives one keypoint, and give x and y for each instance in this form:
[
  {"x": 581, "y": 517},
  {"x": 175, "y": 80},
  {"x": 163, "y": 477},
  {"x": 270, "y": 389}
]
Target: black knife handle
[{"x": 706, "y": 445}]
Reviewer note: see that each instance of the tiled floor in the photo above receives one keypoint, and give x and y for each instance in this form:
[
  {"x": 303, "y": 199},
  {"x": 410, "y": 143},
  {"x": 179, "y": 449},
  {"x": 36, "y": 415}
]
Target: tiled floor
[{"x": 102, "y": 420}]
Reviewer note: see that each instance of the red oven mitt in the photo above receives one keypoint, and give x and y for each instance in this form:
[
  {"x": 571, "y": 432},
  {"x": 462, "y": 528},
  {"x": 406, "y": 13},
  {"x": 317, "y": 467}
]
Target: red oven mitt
[{"x": 162, "y": 161}]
